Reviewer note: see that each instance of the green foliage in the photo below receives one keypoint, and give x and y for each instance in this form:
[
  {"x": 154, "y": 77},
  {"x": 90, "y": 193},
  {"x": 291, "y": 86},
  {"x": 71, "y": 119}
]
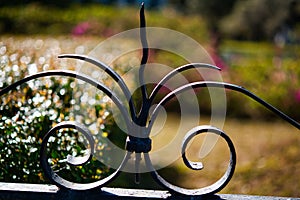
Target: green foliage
[
  {"x": 32, "y": 109},
  {"x": 245, "y": 19},
  {"x": 238, "y": 19},
  {"x": 260, "y": 19},
  {"x": 212, "y": 10},
  {"x": 25, "y": 118},
  {"x": 274, "y": 78},
  {"x": 100, "y": 19}
]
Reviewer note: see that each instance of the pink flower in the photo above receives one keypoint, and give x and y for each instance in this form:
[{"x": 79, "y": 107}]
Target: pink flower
[
  {"x": 218, "y": 61},
  {"x": 81, "y": 28},
  {"x": 297, "y": 95}
]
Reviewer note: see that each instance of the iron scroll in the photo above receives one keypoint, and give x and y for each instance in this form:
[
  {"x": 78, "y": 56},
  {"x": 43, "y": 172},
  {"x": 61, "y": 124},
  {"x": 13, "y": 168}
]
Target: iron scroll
[{"x": 139, "y": 143}]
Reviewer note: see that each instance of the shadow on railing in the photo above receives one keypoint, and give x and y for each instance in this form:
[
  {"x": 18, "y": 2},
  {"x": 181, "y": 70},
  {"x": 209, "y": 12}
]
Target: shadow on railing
[{"x": 139, "y": 124}]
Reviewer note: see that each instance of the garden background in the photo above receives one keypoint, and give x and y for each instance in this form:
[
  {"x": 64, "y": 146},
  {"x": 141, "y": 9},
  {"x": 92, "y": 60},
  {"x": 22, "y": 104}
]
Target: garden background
[{"x": 255, "y": 42}]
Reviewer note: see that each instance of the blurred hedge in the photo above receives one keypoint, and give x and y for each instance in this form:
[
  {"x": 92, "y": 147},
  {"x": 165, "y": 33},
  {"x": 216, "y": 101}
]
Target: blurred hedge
[
  {"x": 102, "y": 20},
  {"x": 29, "y": 111},
  {"x": 260, "y": 68}
]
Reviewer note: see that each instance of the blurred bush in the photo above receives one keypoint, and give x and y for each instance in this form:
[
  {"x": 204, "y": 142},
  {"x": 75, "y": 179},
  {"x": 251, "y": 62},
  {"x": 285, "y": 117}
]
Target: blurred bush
[
  {"x": 95, "y": 19},
  {"x": 245, "y": 19},
  {"x": 261, "y": 19},
  {"x": 237, "y": 19},
  {"x": 29, "y": 111},
  {"x": 258, "y": 68}
]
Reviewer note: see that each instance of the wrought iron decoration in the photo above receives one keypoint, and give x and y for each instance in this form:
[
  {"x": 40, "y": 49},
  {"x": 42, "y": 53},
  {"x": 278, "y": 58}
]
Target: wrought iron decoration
[{"x": 137, "y": 123}]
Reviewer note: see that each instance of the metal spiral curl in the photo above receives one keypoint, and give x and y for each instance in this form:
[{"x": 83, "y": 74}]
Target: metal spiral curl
[
  {"x": 75, "y": 161},
  {"x": 138, "y": 140},
  {"x": 213, "y": 188},
  {"x": 57, "y": 180}
]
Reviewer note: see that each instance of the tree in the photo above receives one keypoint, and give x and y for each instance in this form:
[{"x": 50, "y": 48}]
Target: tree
[
  {"x": 260, "y": 19},
  {"x": 211, "y": 10}
]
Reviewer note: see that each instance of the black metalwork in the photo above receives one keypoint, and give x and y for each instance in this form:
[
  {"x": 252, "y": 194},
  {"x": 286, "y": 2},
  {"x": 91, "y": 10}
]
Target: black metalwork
[{"x": 137, "y": 122}]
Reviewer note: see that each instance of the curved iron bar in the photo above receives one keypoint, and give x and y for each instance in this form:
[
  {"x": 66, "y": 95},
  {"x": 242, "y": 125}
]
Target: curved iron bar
[
  {"x": 141, "y": 119},
  {"x": 63, "y": 183},
  {"x": 213, "y": 188},
  {"x": 143, "y": 38},
  {"x": 75, "y": 161},
  {"x": 111, "y": 73},
  {"x": 174, "y": 72},
  {"x": 237, "y": 88},
  {"x": 79, "y": 160}
]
